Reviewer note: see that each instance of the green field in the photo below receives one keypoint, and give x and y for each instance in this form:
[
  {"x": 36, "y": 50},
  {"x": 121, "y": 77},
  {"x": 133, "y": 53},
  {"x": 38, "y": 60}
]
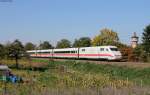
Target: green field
[{"x": 77, "y": 78}]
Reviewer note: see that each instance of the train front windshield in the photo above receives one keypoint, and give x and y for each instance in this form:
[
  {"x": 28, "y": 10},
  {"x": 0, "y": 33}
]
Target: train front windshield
[{"x": 113, "y": 49}]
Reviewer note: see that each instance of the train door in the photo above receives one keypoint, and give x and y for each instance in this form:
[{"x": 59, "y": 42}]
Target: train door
[{"x": 103, "y": 53}]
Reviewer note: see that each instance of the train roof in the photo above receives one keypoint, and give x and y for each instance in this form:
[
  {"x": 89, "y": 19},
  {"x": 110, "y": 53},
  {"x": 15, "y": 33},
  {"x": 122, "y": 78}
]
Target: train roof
[
  {"x": 100, "y": 47},
  {"x": 49, "y": 50},
  {"x": 46, "y": 50},
  {"x": 66, "y": 49}
]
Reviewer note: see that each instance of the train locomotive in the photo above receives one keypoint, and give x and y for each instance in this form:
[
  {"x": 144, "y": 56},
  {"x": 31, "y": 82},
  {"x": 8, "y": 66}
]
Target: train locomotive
[{"x": 98, "y": 52}]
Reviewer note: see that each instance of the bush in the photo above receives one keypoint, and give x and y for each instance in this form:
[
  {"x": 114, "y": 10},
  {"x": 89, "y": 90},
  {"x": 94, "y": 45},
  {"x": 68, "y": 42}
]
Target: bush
[{"x": 139, "y": 54}]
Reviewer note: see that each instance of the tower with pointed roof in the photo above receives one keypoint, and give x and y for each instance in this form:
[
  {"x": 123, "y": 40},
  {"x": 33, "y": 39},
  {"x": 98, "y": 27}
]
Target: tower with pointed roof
[{"x": 134, "y": 40}]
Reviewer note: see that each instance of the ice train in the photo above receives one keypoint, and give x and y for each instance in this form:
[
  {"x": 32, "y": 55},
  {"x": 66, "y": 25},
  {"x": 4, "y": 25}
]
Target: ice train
[{"x": 98, "y": 52}]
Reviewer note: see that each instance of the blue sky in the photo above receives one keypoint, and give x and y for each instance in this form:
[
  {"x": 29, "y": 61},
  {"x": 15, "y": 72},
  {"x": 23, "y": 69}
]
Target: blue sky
[{"x": 52, "y": 20}]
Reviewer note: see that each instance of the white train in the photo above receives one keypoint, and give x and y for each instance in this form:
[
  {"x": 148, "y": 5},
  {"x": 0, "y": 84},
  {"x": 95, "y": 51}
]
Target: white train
[{"x": 98, "y": 52}]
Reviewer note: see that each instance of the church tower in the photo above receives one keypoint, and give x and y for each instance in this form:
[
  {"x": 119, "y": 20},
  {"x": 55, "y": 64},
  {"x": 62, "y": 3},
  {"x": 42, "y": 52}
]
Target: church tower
[{"x": 134, "y": 40}]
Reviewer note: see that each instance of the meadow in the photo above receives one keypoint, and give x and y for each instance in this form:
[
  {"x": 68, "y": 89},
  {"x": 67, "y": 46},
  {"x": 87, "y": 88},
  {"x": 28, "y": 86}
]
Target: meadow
[{"x": 48, "y": 77}]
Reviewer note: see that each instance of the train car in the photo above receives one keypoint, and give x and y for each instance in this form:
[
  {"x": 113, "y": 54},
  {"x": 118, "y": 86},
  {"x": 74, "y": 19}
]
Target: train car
[
  {"x": 41, "y": 53},
  {"x": 65, "y": 53},
  {"x": 99, "y": 52}
]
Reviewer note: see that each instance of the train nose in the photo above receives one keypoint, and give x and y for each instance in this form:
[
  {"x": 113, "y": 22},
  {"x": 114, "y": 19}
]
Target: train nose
[{"x": 118, "y": 56}]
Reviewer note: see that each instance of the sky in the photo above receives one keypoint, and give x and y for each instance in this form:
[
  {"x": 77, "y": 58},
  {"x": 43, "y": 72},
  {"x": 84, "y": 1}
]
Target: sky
[{"x": 53, "y": 20}]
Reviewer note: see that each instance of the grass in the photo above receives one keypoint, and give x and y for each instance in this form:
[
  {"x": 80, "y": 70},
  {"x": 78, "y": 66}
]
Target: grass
[
  {"x": 113, "y": 71},
  {"x": 75, "y": 78}
]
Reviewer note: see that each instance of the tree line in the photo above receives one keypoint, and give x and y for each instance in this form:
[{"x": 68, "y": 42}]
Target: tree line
[{"x": 16, "y": 49}]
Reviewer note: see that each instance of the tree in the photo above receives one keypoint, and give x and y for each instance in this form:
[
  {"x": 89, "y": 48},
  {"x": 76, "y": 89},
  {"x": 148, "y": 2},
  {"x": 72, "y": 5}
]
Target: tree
[
  {"x": 45, "y": 45},
  {"x": 139, "y": 54},
  {"x": 7, "y": 47},
  {"x": 29, "y": 46},
  {"x": 146, "y": 40},
  {"x": 106, "y": 37},
  {"x": 64, "y": 43},
  {"x": 82, "y": 42},
  {"x": 2, "y": 52},
  {"x": 16, "y": 50}
]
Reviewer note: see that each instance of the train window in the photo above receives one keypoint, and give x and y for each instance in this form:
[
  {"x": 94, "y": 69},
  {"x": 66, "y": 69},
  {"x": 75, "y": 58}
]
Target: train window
[
  {"x": 56, "y": 51},
  {"x": 31, "y": 52},
  {"x": 113, "y": 49},
  {"x": 45, "y": 52},
  {"x": 66, "y": 51},
  {"x": 73, "y": 51},
  {"x": 62, "y": 52},
  {"x": 107, "y": 49},
  {"x": 38, "y": 52},
  {"x": 101, "y": 49},
  {"x": 83, "y": 49}
]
